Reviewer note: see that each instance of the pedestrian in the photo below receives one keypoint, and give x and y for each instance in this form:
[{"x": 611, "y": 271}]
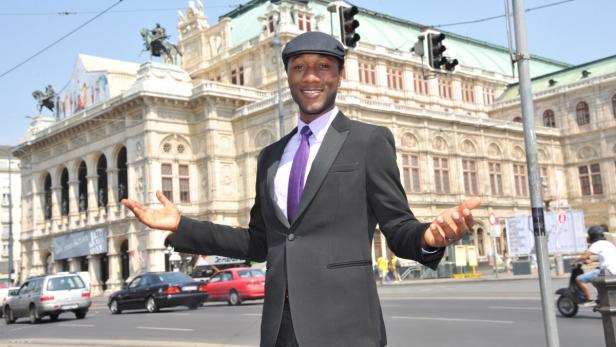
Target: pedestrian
[
  {"x": 383, "y": 268},
  {"x": 395, "y": 267},
  {"x": 320, "y": 192}
]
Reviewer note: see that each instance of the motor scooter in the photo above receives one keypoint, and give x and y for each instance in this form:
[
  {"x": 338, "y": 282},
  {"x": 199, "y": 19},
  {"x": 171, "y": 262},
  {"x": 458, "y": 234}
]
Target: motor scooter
[{"x": 571, "y": 297}]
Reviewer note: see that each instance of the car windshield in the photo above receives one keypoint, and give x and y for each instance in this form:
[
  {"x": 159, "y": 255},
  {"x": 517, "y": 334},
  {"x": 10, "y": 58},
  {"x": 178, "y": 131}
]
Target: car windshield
[
  {"x": 175, "y": 277},
  {"x": 65, "y": 283}
]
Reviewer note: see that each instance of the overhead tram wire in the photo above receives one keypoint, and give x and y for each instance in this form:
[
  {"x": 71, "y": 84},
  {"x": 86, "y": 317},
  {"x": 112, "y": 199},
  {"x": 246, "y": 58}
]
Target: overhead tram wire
[
  {"x": 60, "y": 39},
  {"x": 73, "y": 13}
]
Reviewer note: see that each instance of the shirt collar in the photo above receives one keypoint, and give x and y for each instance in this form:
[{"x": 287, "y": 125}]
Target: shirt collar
[{"x": 320, "y": 125}]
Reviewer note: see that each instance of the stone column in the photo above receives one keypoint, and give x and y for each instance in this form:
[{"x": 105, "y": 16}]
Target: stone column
[
  {"x": 92, "y": 201},
  {"x": 74, "y": 264},
  {"x": 112, "y": 190},
  {"x": 612, "y": 217},
  {"x": 38, "y": 213},
  {"x": 115, "y": 272},
  {"x": 56, "y": 200},
  {"x": 94, "y": 269},
  {"x": 73, "y": 206},
  {"x": 57, "y": 266}
]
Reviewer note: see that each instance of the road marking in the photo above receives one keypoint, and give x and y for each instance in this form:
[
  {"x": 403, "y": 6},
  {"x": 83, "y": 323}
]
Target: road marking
[
  {"x": 170, "y": 329},
  {"x": 461, "y": 298},
  {"x": 456, "y": 319},
  {"x": 22, "y": 328},
  {"x": 76, "y": 325},
  {"x": 515, "y": 308},
  {"x": 252, "y": 314}
]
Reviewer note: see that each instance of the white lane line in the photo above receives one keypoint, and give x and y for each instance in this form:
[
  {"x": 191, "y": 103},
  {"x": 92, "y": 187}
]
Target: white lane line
[
  {"x": 22, "y": 328},
  {"x": 461, "y": 298},
  {"x": 456, "y": 319},
  {"x": 76, "y": 325},
  {"x": 169, "y": 329},
  {"x": 515, "y": 308},
  {"x": 252, "y": 314}
]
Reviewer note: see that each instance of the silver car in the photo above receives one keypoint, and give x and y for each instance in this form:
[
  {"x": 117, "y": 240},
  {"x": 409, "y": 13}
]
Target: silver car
[{"x": 48, "y": 296}]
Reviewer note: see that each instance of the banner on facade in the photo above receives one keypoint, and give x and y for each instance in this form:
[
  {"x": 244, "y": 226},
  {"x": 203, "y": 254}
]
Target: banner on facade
[
  {"x": 567, "y": 237},
  {"x": 217, "y": 260},
  {"x": 80, "y": 244}
]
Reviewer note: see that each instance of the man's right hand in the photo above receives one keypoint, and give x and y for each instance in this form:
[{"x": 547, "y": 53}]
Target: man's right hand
[{"x": 166, "y": 218}]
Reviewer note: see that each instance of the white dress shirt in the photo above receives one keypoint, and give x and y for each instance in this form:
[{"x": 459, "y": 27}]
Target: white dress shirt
[{"x": 318, "y": 127}]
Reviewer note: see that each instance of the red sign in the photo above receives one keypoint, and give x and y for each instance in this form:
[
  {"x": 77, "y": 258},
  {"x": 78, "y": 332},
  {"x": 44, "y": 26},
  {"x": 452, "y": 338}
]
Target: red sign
[{"x": 562, "y": 218}]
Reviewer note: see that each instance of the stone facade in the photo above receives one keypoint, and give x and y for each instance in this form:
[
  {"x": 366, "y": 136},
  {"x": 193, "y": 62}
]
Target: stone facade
[
  {"x": 195, "y": 133},
  {"x": 10, "y": 203}
]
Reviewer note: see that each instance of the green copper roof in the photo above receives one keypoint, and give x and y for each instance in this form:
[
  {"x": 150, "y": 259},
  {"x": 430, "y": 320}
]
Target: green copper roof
[
  {"x": 564, "y": 77},
  {"x": 394, "y": 33}
]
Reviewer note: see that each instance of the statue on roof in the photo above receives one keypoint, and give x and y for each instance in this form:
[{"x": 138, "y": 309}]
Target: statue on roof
[
  {"x": 45, "y": 99},
  {"x": 156, "y": 41}
]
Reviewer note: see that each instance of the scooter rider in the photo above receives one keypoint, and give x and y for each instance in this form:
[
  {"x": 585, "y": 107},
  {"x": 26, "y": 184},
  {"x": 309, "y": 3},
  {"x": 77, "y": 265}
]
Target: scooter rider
[{"x": 605, "y": 250}]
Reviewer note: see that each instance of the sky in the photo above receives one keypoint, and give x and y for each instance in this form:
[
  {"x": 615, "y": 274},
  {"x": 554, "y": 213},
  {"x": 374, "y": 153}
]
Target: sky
[{"x": 571, "y": 31}]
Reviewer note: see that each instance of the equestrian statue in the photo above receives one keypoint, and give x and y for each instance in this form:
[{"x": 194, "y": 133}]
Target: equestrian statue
[
  {"x": 45, "y": 99},
  {"x": 157, "y": 42}
]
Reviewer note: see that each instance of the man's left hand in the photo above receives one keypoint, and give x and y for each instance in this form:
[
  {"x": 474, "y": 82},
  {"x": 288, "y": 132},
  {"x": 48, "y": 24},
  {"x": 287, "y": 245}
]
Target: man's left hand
[{"x": 451, "y": 225}]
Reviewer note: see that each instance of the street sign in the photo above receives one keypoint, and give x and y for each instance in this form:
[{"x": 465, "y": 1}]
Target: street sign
[
  {"x": 562, "y": 217},
  {"x": 471, "y": 253},
  {"x": 493, "y": 219},
  {"x": 460, "y": 254}
]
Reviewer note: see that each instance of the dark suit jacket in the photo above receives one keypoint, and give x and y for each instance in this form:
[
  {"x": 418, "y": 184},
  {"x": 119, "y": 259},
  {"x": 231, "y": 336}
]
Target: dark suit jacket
[{"x": 324, "y": 257}]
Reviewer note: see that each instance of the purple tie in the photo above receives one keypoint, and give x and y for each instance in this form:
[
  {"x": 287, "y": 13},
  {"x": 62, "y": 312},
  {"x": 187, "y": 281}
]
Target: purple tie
[{"x": 298, "y": 171}]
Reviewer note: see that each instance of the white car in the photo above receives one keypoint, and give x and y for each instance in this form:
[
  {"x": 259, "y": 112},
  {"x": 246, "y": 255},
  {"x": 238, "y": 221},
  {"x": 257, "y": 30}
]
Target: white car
[{"x": 4, "y": 294}]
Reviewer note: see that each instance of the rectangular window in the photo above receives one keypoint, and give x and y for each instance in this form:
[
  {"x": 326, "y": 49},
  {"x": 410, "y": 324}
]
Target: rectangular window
[
  {"x": 234, "y": 76},
  {"x": 367, "y": 73},
  {"x": 303, "y": 22},
  {"x": 420, "y": 83},
  {"x": 184, "y": 176},
  {"x": 469, "y": 171},
  {"x": 519, "y": 176},
  {"x": 488, "y": 96},
  {"x": 468, "y": 93},
  {"x": 410, "y": 172},
  {"x": 237, "y": 76},
  {"x": 590, "y": 179},
  {"x": 394, "y": 79},
  {"x": 270, "y": 22},
  {"x": 496, "y": 178},
  {"x": 444, "y": 87},
  {"x": 166, "y": 173},
  {"x": 441, "y": 175}
]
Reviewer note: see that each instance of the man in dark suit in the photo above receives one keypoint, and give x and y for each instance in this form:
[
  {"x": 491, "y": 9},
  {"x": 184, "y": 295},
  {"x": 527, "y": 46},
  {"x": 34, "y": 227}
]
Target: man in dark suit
[{"x": 320, "y": 192}]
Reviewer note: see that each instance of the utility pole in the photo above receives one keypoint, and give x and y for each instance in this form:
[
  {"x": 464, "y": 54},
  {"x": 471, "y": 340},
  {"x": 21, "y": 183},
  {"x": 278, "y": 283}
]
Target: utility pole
[
  {"x": 522, "y": 57},
  {"x": 277, "y": 45},
  {"x": 10, "y": 267}
]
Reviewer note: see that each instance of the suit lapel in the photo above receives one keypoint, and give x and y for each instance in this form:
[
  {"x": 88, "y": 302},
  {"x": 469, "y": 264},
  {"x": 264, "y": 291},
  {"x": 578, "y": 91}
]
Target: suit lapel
[
  {"x": 272, "y": 168},
  {"x": 332, "y": 143}
]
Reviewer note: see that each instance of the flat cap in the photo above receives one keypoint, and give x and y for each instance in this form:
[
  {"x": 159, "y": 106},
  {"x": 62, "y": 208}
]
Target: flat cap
[{"x": 313, "y": 42}]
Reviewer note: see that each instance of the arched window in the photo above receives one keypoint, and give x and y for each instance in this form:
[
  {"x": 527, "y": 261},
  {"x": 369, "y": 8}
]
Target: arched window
[
  {"x": 548, "y": 119},
  {"x": 82, "y": 198},
  {"x": 614, "y": 105},
  {"x": 122, "y": 176},
  {"x": 47, "y": 196},
  {"x": 582, "y": 113},
  {"x": 518, "y": 119},
  {"x": 64, "y": 195},
  {"x": 101, "y": 171}
]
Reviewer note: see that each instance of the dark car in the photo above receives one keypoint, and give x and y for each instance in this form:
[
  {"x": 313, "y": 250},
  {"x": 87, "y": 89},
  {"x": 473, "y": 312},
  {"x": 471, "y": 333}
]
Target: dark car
[
  {"x": 156, "y": 290},
  {"x": 236, "y": 285}
]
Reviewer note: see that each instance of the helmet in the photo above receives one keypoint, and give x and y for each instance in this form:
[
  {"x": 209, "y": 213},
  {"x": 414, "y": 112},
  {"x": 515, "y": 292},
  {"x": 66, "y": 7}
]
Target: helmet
[{"x": 595, "y": 233}]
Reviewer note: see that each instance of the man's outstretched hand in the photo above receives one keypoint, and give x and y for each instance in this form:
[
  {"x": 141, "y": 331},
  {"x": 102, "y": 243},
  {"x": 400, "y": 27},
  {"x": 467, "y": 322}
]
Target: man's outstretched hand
[
  {"x": 166, "y": 218},
  {"x": 451, "y": 225}
]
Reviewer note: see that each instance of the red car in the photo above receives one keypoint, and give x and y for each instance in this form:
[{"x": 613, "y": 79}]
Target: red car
[{"x": 235, "y": 285}]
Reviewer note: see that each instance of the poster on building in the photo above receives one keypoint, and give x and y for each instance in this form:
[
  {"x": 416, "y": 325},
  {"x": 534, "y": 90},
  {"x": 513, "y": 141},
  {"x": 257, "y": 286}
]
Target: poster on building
[
  {"x": 80, "y": 244},
  {"x": 567, "y": 237},
  {"x": 471, "y": 252},
  {"x": 460, "y": 254},
  {"x": 82, "y": 91}
]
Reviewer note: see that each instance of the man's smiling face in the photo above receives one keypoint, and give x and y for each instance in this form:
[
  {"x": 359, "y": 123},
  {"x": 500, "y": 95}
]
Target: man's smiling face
[{"x": 313, "y": 81}]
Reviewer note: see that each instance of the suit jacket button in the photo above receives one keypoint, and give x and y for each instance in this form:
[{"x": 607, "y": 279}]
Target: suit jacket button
[{"x": 291, "y": 237}]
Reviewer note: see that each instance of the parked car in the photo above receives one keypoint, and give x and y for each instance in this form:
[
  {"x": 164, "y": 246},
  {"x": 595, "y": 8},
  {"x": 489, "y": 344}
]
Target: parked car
[
  {"x": 155, "y": 290},
  {"x": 4, "y": 296},
  {"x": 235, "y": 285},
  {"x": 50, "y": 296}
]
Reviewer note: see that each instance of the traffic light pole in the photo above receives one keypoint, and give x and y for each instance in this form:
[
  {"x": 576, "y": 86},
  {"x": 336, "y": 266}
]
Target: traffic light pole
[{"x": 522, "y": 57}]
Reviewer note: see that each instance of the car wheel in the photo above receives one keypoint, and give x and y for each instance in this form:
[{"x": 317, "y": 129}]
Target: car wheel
[
  {"x": 8, "y": 316},
  {"x": 54, "y": 316},
  {"x": 193, "y": 306},
  {"x": 566, "y": 306},
  {"x": 150, "y": 305},
  {"x": 80, "y": 314},
  {"x": 234, "y": 298},
  {"x": 114, "y": 307},
  {"x": 34, "y": 315}
]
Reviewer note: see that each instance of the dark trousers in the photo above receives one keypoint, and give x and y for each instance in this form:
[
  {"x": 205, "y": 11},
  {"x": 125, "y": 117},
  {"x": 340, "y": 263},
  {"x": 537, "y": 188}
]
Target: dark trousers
[{"x": 286, "y": 334}]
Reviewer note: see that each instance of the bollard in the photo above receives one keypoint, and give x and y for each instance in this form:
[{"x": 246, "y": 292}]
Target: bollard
[{"x": 606, "y": 288}]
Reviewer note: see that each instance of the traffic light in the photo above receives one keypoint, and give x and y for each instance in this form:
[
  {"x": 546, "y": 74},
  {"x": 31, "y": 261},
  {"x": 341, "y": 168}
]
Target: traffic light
[
  {"x": 436, "y": 50},
  {"x": 348, "y": 24}
]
